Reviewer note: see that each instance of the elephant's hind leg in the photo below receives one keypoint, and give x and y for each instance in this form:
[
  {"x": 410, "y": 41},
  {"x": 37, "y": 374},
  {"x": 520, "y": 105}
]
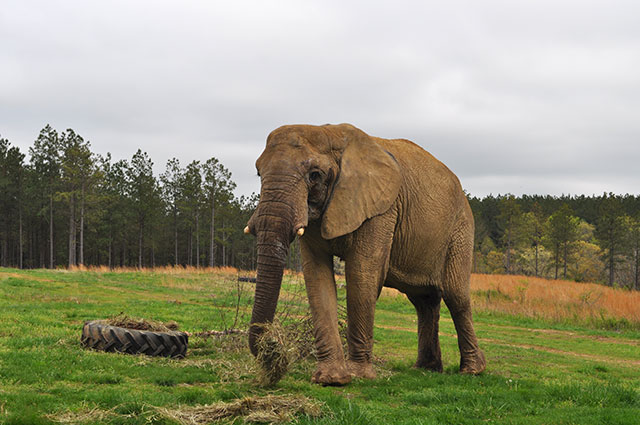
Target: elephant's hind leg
[
  {"x": 428, "y": 309},
  {"x": 457, "y": 297}
]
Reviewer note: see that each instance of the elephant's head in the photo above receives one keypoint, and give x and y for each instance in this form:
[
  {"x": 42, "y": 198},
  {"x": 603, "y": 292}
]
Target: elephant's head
[{"x": 335, "y": 175}]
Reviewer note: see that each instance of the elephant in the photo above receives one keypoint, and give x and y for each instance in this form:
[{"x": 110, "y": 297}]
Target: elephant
[{"x": 398, "y": 218}]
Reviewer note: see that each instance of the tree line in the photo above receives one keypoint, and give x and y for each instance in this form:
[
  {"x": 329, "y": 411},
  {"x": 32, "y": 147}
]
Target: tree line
[
  {"x": 69, "y": 206},
  {"x": 581, "y": 238}
]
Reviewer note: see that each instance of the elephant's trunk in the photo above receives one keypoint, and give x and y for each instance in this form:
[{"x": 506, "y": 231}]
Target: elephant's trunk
[{"x": 275, "y": 224}]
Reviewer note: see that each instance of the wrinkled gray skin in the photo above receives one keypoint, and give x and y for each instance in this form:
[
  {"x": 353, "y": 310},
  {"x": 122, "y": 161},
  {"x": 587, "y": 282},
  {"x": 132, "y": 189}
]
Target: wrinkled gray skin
[{"x": 397, "y": 217}]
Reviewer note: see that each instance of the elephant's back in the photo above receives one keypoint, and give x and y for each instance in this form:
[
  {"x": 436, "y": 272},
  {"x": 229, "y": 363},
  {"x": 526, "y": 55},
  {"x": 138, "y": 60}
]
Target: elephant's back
[{"x": 427, "y": 180}]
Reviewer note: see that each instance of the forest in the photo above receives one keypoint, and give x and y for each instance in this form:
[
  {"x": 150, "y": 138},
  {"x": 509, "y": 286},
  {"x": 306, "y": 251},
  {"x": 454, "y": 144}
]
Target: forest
[
  {"x": 67, "y": 206},
  {"x": 581, "y": 238}
]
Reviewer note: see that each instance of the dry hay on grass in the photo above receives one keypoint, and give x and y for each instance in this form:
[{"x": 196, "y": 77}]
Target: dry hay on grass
[
  {"x": 123, "y": 321},
  {"x": 275, "y": 352},
  {"x": 218, "y": 334},
  {"x": 289, "y": 339},
  {"x": 279, "y": 346},
  {"x": 81, "y": 416},
  {"x": 272, "y": 409},
  {"x": 92, "y": 415},
  {"x": 266, "y": 409}
]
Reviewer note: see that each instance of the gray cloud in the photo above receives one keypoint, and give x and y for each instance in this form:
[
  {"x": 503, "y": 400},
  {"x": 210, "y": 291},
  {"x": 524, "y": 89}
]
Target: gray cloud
[{"x": 515, "y": 96}]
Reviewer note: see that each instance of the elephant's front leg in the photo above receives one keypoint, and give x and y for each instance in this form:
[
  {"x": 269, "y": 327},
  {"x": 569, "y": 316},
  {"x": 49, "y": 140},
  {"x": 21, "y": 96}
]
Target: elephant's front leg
[
  {"x": 366, "y": 267},
  {"x": 321, "y": 291}
]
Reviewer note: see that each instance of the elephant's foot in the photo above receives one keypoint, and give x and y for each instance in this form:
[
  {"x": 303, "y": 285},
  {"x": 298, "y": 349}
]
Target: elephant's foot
[
  {"x": 361, "y": 369},
  {"x": 434, "y": 365},
  {"x": 334, "y": 373},
  {"x": 473, "y": 364}
]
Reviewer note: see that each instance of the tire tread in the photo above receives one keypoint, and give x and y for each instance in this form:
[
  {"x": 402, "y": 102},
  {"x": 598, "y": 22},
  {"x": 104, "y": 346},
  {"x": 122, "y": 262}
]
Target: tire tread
[{"x": 98, "y": 335}]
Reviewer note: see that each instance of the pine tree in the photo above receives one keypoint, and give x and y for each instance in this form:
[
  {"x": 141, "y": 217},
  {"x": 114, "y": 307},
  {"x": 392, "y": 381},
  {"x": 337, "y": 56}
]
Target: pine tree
[
  {"x": 612, "y": 228},
  {"x": 11, "y": 196},
  {"x": 509, "y": 219},
  {"x": 191, "y": 204},
  {"x": 562, "y": 233},
  {"x": 532, "y": 231},
  {"x": 78, "y": 174},
  {"x": 45, "y": 160},
  {"x": 218, "y": 188},
  {"x": 116, "y": 205},
  {"x": 144, "y": 194},
  {"x": 171, "y": 181},
  {"x": 634, "y": 243}
]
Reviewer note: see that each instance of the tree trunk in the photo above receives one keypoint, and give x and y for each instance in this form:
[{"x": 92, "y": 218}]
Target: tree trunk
[
  {"x": 212, "y": 242},
  {"x": 636, "y": 265},
  {"x": 557, "y": 259},
  {"x": 140, "y": 247},
  {"x": 190, "y": 250},
  {"x": 81, "y": 253},
  {"x": 537, "y": 248},
  {"x": 509, "y": 250},
  {"x": 611, "y": 268},
  {"x": 611, "y": 263},
  {"x": 72, "y": 231},
  {"x": 197, "y": 240},
  {"x": 635, "y": 269},
  {"x": 4, "y": 245},
  {"x": 42, "y": 255},
  {"x": 234, "y": 251},
  {"x": 124, "y": 251},
  {"x": 20, "y": 237},
  {"x": 51, "y": 230},
  {"x": 224, "y": 244},
  {"x": 31, "y": 235},
  {"x": 110, "y": 249},
  {"x": 564, "y": 260},
  {"x": 175, "y": 230}
]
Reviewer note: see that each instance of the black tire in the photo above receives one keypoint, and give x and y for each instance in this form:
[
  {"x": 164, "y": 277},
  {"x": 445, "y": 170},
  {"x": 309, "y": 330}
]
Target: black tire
[
  {"x": 247, "y": 279},
  {"x": 98, "y": 335}
]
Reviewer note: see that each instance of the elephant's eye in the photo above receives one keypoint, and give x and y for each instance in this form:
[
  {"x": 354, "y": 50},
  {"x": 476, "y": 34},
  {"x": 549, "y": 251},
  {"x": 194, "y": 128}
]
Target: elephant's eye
[{"x": 314, "y": 176}]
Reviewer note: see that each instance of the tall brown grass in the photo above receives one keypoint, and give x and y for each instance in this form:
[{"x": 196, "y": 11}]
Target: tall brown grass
[
  {"x": 556, "y": 300},
  {"x": 159, "y": 270},
  {"x": 553, "y": 300}
]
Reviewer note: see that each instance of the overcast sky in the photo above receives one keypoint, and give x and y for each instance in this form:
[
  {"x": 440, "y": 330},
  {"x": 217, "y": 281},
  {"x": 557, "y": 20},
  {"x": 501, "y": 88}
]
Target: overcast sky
[{"x": 535, "y": 97}]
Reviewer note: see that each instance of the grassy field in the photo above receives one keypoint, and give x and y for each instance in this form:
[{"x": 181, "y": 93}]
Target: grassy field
[{"x": 557, "y": 353}]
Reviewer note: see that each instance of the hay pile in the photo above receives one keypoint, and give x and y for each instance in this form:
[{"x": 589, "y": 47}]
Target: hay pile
[
  {"x": 84, "y": 415},
  {"x": 275, "y": 353},
  {"x": 273, "y": 409},
  {"x": 268, "y": 409},
  {"x": 123, "y": 321},
  {"x": 279, "y": 346}
]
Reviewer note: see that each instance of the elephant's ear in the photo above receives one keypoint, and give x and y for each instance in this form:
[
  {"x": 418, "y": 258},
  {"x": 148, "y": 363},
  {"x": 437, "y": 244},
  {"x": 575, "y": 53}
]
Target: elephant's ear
[{"x": 367, "y": 186}]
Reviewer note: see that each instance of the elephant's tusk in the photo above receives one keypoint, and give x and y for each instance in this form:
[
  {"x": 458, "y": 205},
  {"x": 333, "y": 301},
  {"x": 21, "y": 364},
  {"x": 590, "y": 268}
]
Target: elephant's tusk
[
  {"x": 301, "y": 231},
  {"x": 246, "y": 230}
]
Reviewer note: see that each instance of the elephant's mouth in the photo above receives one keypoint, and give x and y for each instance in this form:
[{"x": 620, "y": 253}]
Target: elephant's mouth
[
  {"x": 315, "y": 210},
  {"x": 319, "y": 192}
]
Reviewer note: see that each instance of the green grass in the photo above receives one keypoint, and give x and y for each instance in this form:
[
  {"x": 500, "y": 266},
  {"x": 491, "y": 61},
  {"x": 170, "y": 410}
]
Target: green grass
[{"x": 537, "y": 373}]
